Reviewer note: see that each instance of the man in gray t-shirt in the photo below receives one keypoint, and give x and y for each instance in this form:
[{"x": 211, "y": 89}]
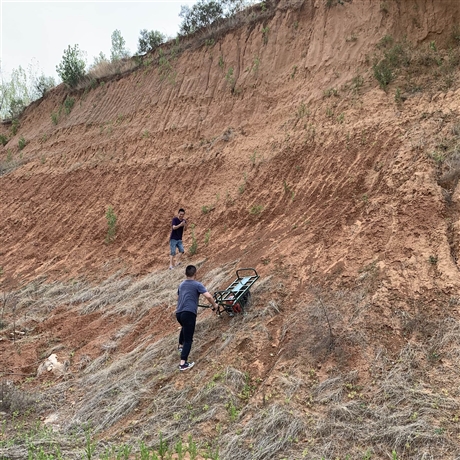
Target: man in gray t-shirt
[{"x": 187, "y": 308}]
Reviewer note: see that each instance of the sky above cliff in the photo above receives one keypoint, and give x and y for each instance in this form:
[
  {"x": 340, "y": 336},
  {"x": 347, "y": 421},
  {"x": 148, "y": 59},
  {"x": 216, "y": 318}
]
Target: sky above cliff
[{"x": 37, "y": 32}]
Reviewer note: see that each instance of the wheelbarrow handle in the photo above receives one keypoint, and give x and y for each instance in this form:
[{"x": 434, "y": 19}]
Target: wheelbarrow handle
[{"x": 207, "y": 306}]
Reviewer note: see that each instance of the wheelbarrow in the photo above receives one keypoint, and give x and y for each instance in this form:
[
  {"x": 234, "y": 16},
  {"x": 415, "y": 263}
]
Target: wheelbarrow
[{"x": 237, "y": 296}]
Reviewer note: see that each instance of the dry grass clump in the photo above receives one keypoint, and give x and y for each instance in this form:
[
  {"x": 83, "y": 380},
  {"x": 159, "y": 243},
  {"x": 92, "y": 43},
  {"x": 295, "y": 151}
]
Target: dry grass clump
[
  {"x": 403, "y": 413},
  {"x": 446, "y": 341},
  {"x": 11, "y": 162},
  {"x": 267, "y": 433},
  {"x": 109, "y": 68},
  {"x": 105, "y": 407},
  {"x": 14, "y": 400},
  {"x": 106, "y": 69}
]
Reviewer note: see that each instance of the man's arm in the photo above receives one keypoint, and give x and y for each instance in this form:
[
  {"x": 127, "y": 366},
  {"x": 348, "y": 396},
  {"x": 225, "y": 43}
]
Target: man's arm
[
  {"x": 181, "y": 224},
  {"x": 210, "y": 299}
]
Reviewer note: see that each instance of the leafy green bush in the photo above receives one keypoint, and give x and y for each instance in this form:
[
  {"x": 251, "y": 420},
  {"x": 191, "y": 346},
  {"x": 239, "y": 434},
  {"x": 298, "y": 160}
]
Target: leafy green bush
[
  {"x": 395, "y": 56},
  {"x": 383, "y": 72},
  {"x": 22, "y": 143},
  {"x": 68, "y": 104},
  {"x": 3, "y": 139},
  {"x": 14, "y": 127},
  {"x": 148, "y": 41},
  {"x": 17, "y": 106},
  {"x": 72, "y": 67}
]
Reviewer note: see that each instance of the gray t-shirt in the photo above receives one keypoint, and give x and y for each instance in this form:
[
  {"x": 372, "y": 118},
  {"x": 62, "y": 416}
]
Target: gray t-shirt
[{"x": 189, "y": 291}]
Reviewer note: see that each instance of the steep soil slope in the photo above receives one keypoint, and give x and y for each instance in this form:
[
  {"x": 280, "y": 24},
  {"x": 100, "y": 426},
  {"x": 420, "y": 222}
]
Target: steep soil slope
[
  {"x": 289, "y": 157},
  {"x": 245, "y": 113}
]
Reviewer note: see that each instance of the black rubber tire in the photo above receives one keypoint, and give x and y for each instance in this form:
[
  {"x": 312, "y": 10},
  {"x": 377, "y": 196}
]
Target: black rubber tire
[{"x": 245, "y": 301}]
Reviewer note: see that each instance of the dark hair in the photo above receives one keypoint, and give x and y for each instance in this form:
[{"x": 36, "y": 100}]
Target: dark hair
[
  {"x": 182, "y": 210},
  {"x": 190, "y": 271}
]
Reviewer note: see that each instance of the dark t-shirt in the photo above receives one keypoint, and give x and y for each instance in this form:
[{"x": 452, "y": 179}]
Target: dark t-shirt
[
  {"x": 176, "y": 234},
  {"x": 189, "y": 292}
]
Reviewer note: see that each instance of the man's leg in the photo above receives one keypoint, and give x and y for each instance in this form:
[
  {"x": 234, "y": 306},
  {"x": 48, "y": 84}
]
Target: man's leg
[
  {"x": 187, "y": 321},
  {"x": 172, "y": 253},
  {"x": 181, "y": 333},
  {"x": 181, "y": 251}
]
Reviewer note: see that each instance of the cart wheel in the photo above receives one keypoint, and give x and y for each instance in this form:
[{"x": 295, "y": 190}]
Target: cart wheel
[{"x": 245, "y": 301}]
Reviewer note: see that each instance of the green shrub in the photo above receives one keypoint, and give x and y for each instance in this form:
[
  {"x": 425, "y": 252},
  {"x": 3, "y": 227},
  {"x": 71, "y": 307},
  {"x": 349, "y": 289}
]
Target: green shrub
[
  {"x": 165, "y": 69},
  {"x": 395, "y": 55},
  {"x": 68, "y": 104},
  {"x": 14, "y": 127},
  {"x": 111, "y": 224},
  {"x": 265, "y": 32},
  {"x": 383, "y": 73},
  {"x": 72, "y": 67},
  {"x": 256, "y": 209},
  {"x": 3, "y": 139},
  {"x": 230, "y": 78},
  {"x": 194, "y": 246},
  {"x": 148, "y": 41},
  {"x": 302, "y": 110},
  {"x": 17, "y": 106},
  {"x": 22, "y": 143},
  {"x": 55, "y": 118}
]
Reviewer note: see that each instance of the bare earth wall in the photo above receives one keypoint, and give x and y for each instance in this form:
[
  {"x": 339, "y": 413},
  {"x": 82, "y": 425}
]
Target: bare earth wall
[{"x": 242, "y": 125}]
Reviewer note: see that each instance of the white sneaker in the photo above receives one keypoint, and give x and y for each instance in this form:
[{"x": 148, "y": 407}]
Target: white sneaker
[{"x": 184, "y": 367}]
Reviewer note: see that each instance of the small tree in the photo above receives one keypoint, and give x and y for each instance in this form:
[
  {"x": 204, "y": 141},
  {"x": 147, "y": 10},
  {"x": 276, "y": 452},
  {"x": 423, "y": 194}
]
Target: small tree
[
  {"x": 23, "y": 87},
  {"x": 17, "y": 106},
  {"x": 15, "y": 94},
  {"x": 200, "y": 15},
  {"x": 148, "y": 41},
  {"x": 72, "y": 67},
  {"x": 43, "y": 84},
  {"x": 118, "y": 50},
  {"x": 98, "y": 60},
  {"x": 204, "y": 12}
]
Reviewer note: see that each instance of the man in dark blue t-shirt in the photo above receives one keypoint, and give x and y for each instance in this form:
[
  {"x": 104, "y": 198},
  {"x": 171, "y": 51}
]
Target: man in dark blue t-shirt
[
  {"x": 187, "y": 308},
  {"x": 179, "y": 224}
]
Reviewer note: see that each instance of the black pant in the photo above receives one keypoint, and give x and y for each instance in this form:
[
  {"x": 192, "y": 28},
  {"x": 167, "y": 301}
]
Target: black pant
[{"x": 187, "y": 320}]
